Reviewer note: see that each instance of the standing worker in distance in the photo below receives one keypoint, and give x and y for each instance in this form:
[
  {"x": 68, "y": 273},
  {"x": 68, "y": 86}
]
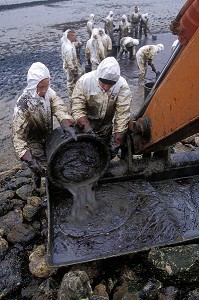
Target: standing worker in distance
[{"x": 71, "y": 63}]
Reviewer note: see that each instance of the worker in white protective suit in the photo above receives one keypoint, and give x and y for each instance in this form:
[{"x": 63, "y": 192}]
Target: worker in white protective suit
[
  {"x": 94, "y": 49},
  {"x": 109, "y": 26},
  {"x": 101, "y": 103},
  {"x": 90, "y": 25},
  {"x": 106, "y": 41},
  {"x": 33, "y": 117},
  {"x": 71, "y": 63},
  {"x": 144, "y": 26},
  {"x": 135, "y": 18},
  {"x": 124, "y": 27},
  {"x": 128, "y": 44},
  {"x": 145, "y": 56}
]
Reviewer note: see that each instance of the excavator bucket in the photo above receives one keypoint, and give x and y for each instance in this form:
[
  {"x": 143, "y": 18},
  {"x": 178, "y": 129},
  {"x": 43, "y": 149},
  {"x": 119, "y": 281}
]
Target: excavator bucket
[{"x": 129, "y": 216}]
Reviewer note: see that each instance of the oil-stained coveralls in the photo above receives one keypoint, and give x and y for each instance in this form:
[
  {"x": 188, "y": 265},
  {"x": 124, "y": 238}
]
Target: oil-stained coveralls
[
  {"x": 94, "y": 49},
  {"x": 98, "y": 111},
  {"x": 144, "y": 25},
  {"x": 90, "y": 25},
  {"x": 145, "y": 56},
  {"x": 135, "y": 20},
  {"x": 71, "y": 63},
  {"x": 124, "y": 27},
  {"x": 33, "y": 114},
  {"x": 106, "y": 41},
  {"x": 128, "y": 44},
  {"x": 109, "y": 26}
]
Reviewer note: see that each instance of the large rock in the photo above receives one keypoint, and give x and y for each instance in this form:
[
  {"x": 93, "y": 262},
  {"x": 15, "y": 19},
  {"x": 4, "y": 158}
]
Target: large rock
[
  {"x": 75, "y": 285},
  {"x": 38, "y": 263},
  {"x": 178, "y": 264}
]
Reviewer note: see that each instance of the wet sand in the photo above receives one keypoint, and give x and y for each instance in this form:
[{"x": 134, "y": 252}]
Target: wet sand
[{"x": 33, "y": 33}]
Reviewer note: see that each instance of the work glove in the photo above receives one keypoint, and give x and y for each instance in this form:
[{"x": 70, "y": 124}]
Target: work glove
[
  {"x": 85, "y": 126},
  {"x": 115, "y": 146},
  {"x": 68, "y": 129},
  {"x": 33, "y": 164}
]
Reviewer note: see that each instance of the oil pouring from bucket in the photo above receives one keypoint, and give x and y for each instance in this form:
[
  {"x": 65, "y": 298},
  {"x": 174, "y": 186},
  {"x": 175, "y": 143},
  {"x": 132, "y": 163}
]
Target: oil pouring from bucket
[{"x": 76, "y": 167}]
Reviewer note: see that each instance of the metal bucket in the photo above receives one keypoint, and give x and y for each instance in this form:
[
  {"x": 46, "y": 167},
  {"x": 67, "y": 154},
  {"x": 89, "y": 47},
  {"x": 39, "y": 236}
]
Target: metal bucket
[
  {"x": 80, "y": 162},
  {"x": 147, "y": 88}
]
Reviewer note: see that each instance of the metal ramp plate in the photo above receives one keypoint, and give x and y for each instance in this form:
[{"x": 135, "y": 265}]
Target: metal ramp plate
[{"x": 131, "y": 216}]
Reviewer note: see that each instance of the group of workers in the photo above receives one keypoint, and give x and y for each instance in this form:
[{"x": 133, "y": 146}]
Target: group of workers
[{"x": 99, "y": 101}]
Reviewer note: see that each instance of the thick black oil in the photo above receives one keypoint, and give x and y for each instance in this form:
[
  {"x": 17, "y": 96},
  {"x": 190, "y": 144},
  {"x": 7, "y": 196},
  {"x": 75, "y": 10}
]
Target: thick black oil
[{"x": 129, "y": 217}]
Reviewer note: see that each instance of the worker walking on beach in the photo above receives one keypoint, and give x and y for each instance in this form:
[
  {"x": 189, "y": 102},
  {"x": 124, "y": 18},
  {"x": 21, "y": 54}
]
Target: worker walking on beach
[
  {"x": 145, "y": 56},
  {"x": 90, "y": 25},
  {"x": 71, "y": 63},
  {"x": 106, "y": 41},
  {"x": 135, "y": 18},
  {"x": 94, "y": 49}
]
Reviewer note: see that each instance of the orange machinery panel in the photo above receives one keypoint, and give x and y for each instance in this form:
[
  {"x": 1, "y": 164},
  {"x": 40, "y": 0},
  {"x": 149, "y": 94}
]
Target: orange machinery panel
[{"x": 174, "y": 109}]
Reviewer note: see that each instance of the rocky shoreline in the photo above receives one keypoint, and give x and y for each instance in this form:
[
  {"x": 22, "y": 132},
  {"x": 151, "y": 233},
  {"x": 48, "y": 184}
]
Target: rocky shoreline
[{"x": 163, "y": 273}]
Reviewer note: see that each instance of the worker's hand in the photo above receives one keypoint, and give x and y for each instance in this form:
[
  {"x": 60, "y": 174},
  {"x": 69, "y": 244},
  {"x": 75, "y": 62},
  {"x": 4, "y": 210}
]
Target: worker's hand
[
  {"x": 33, "y": 164},
  {"x": 115, "y": 146},
  {"x": 68, "y": 129},
  {"x": 85, "y": 126}
]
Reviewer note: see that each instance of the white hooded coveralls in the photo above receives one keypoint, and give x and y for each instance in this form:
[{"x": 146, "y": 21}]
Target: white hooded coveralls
[
  {"x": 144, "y": 55},
  {"x": 95, "y": 49},
  {"x": 32, "y": 119},
  {"x": 107, "y": 43},
  {"x": 71, "y": 63},
  {"x": 90, "y": 24},
  {"x": 103, "y": 109}
]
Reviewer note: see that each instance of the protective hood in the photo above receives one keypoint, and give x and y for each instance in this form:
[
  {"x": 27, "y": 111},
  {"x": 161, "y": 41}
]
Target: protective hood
[
  {"x": 125, "y": 18},
  {"x": 91, "y": 17},
  {"x": 160, "y": 47},
  {"x": 65, "y": 36},
  {"x": 95, "y": 33},
  {"x": 110, "y": 16},
  {"x": 109, "y": 69},
  {"x": 36, "y": 73}
]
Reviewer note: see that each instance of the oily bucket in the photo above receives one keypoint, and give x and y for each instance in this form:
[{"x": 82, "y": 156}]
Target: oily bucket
[
  {"x": 75, "y": 162},
  {"x": 147, "y": 88}
]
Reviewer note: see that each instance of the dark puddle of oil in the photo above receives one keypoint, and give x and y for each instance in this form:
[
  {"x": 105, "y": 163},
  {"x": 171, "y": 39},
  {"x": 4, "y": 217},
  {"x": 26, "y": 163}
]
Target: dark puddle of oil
[{"x": 128, "y": 217}]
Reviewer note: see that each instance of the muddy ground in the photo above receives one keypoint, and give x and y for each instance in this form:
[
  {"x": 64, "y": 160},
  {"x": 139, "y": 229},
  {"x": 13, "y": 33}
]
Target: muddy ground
[{"x": 32, "y": 33}]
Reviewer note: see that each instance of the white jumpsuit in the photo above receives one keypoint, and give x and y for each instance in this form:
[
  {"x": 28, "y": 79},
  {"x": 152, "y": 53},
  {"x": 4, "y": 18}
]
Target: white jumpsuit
[{"x": 104, "y": 110}]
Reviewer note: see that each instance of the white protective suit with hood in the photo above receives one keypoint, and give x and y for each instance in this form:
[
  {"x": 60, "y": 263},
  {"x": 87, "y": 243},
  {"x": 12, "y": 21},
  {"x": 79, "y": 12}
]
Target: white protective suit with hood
[
  {"x": 124, "y": 27},
  {"x": 106, "y": 41},
  {"x": 109, "y": 26},
  {"x": 32, "y": 119},
  {"x": 94, "y": 49},
  {"x": 104, "y": 110},
  {"x": 128, "y": 44},
  {"x": 90, "y": 24},
  {"x": 71, "y": 63},
  {"x": 145, "y": 56}
]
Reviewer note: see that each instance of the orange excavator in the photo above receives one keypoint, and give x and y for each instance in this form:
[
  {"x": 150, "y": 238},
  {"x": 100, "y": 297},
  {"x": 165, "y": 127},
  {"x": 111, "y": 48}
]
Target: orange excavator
[
  {"x": 171, "y": 110},
  {"x": 155, "y": 209}
]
